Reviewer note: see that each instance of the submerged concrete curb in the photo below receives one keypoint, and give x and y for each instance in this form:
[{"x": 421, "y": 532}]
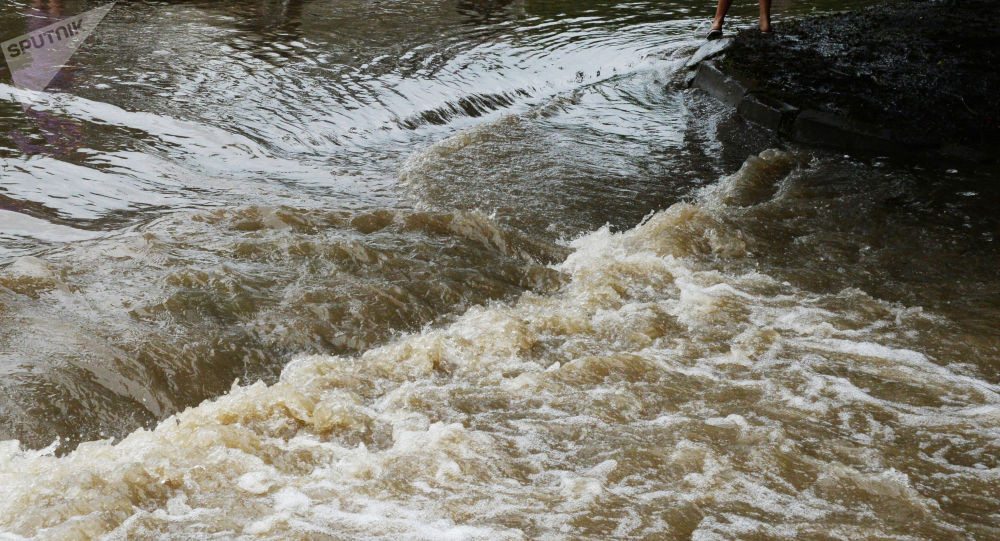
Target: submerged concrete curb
[
  {"x": 815, "y": 127},
  {"x": 719, "y": 85},
  {"x": 808, "y": 126}
]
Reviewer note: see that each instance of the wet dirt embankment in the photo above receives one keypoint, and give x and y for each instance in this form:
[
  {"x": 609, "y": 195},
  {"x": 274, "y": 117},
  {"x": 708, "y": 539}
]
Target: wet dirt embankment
[{"x": 897, "y": 78}]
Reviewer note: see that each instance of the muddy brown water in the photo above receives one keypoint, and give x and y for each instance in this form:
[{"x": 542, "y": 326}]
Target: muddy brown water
[{"x": 482, "y": 270}]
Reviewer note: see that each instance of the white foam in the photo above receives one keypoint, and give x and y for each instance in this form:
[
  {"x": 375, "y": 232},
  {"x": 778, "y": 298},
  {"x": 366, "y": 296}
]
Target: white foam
[{"x": 652, "y": 379}]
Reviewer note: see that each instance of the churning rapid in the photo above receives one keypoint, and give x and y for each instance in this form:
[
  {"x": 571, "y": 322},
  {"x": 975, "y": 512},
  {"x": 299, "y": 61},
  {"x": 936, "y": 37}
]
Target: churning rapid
[{"x": 479, "y": 271}]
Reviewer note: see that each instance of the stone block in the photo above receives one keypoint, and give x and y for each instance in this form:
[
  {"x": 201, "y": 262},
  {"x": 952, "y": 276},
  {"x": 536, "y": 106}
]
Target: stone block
[
  {"x": 710, "y": 49},
  {"x": 767, "y": 112},
  {"x": 818, "y": 128},
  {"x": 719, "y": 85}
]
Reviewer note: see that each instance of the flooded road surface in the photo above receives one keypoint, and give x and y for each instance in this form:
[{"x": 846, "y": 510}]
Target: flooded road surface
[{"x": 482, "y": 270}]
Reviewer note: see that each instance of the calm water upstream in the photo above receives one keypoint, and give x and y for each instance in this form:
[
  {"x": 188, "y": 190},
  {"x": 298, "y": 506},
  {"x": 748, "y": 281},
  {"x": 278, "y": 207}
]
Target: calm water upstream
[{"x": 482, "y": 270}]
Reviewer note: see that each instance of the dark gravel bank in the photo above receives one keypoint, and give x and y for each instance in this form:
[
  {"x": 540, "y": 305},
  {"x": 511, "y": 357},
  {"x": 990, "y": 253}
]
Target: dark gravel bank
[{"x": 928, "y": 71}]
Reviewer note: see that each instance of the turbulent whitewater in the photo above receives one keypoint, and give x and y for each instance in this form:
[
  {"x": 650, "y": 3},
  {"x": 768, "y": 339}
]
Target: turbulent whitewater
[{"x": 655, "y": 393}]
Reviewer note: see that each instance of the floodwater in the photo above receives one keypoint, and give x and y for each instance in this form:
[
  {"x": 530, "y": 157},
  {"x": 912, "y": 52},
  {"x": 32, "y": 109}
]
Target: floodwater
[{"x": 479, "y": 270}]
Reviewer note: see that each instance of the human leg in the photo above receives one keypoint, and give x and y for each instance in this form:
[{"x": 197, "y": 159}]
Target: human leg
[{"x": 765, "y": 15}]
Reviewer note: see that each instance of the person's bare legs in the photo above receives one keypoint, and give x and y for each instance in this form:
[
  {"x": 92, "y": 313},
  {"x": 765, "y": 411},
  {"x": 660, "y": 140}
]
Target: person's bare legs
[
  {"x": 765, "y": 15},
  {"x": 720, "y": 13}
]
